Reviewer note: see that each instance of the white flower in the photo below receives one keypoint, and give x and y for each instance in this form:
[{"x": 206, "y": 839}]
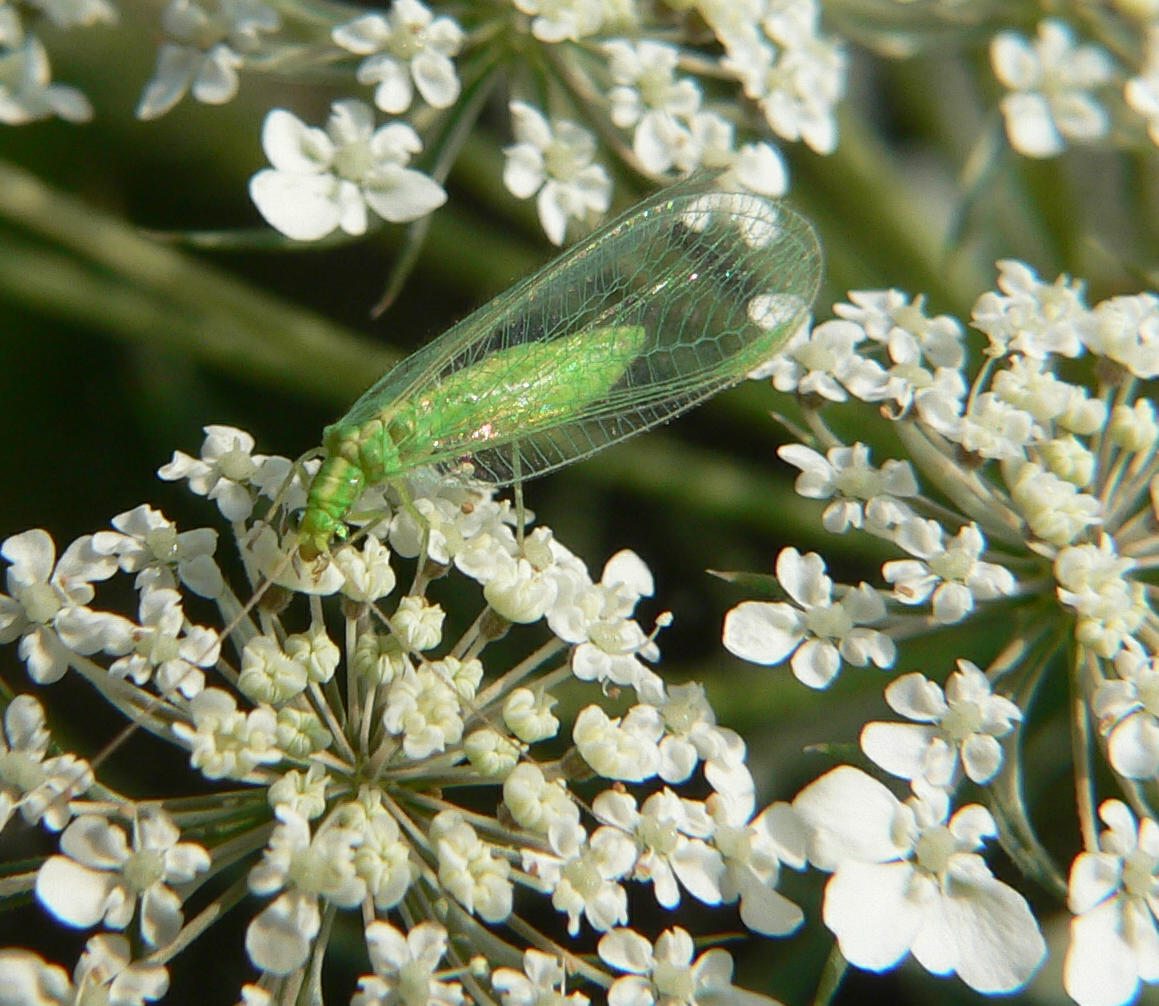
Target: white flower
[
  {"x": 557, "y": 20},
  {"x": 323, "y": 180},
  {"x": 825, "y": 362},
  {"x": 583, "y": 877},
  {"x": 670, "y": 835},
  {"x": 1050, "y": 80},
  {"x": 40, "y": 787},
  {"x": 543, "y": 981},
  {"x": 225, "y": 742},
  {"x": 148, "y": 544},
  {"x": 964, "y": 723},
  {"x": 1127, "y": 709},
  {"x": 993, "y": 428},
  {"x": 46, "y": 604},
  {"x": 892, "y": 319},
  {"x": 381, "y": 858},
  {"x": 1093, "y": 582},
  {"x": 649, "y": 99},
  {"x": 626, "y": 748},
  {"x": 1113, "y": 894},
  {"x": 101, "y": 876},
  {"x": 1142, "y": 91},
  {"x": 226, "y": 470},
  {"x": 931, "y": 892},
  {"x": 470, "y": 869},
  {"x": 404, "y": 967},
  {"x": 536, "y": 803},
  {"x": 417, "y": 624},
  {"x": 1032, "y": 317},
  {"x": 1126, "y": 330},
  {"x": 1054, "y": 509},
  {"x": 863, "y": 496},
  {"x": 209, "y": 46},
  {"x": 553, "y": 161},
  {"x": 165, "y": 649},
  {"x": 425, "y": 711},
  {"x": 668, "y": 975},
  {"x": 406, "y": 44},
  {"x": 754, "y": 847},
  {"x": 797, "y": 82},
  {"x": 76, "y": 13},
  {"x": 819, "y": 632},
  {"x": 304, "y": 868},
  {"x": 105, "y": 973},
  {"x": 949, "y": 574},
  {"x": 27, "y": 93}
]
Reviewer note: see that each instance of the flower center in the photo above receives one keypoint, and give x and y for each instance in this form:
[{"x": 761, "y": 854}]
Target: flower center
[
  {"x": 963, "y": 720},
  {"x": 934, "y": 849},
  {"x": 41, "y": 602},
  {"x": 832, "y": 622},
  {"x": 162, "y": 542},
  {"x": 143, "y": 869},
  {"x": 237, "y": 466},
  {"x": 659, "y": 835}
]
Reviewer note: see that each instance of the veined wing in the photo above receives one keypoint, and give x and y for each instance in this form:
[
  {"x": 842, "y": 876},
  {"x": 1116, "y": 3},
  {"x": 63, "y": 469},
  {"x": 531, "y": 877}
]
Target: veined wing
[{"x": 715, "y": 282}]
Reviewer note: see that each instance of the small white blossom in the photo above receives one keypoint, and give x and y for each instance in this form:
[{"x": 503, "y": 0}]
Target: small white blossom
[
  {"x": 324, "y": 180},
  {"x": 535, "y": 802},
  {"x": 1093, "y": 582},
  {"x": 165, "y": 649},
  {"x": 560, "y": 20},
  {"x": 404, "y": 967},
  {"x": 405, "y": 48},
  {"x": 1126, "y": 330},
  {"x": 148, "y": 544},
  {"x": 225, "y": 742},
  {"x": 819, "y": 632},
  {"x": 892, "y": 319},
  {"x": 425, "y": 711},
  {"x": 1113, "y": 894},
  {"x": 670, "y": 835},
  {"x": 226, "y": 470},
  {"x": 931, "y": 892},
  {"x": 46, "y": 604},
  {"x": 625, "y": 749},
  {"x": 1127, "y": 709},
  {"x": 102, "y": 876},
  {"x": 668, "y": 975},
  {"x": 209, "y": 45},
  {"x": 39, "y": 786},
  {"x": 949, "y": 574},
  {"x": 863, "y": 496},
  {"x": 105, "y": 972},
  {"x": 1050, "y": 80},
  {"x": 304, "y": 868},
  {"x": 470, "y": 869},
  {"x": 1053, "y": 508},
  {"x": 27, "y": 93},
  {"x": 583, "y": 877},
  {"x": 825, "y": 362},
  {"x": 1032, "y": 317},
  {"x": 543, "y": 980},
  {"x": 1142, "y": 91},
  {"x": 964, "y": 725},
  {"x": 418, "y": 625},
  {"x": 553, "y": 162},
  {"x": 753, "y": 847}
]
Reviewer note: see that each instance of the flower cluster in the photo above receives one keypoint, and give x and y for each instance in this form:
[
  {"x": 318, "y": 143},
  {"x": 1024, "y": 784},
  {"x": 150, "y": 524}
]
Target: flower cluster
[
  {"x": 1026, "y": 501},
  {"x": 375, "y": 765}
]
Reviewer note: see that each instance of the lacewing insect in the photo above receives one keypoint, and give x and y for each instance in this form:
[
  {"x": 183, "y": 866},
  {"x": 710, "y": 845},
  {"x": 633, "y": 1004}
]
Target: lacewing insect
[{"x": 676, "y": 300}]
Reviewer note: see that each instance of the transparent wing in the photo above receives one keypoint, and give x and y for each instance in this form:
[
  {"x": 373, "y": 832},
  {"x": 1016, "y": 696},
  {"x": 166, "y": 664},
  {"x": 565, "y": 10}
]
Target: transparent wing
[{"x": 716, "y": 281}]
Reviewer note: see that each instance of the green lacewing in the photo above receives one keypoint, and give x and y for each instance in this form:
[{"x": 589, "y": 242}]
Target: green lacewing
[{"x": 677, "y": 299}]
